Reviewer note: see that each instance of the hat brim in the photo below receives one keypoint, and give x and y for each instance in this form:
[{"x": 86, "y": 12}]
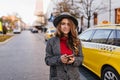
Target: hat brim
[{"x": 59, "y": 18}]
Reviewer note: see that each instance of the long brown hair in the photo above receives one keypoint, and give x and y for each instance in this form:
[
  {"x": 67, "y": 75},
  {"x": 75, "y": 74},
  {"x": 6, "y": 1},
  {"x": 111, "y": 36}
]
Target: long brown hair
[{"x": 73, "y": 42}]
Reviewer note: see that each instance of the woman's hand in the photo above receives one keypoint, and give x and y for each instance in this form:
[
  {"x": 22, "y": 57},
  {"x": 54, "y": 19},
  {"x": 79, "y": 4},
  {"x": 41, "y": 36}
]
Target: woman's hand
[
  {"x": 71, "y": 59},
  {"x": 64, "y": 58}
]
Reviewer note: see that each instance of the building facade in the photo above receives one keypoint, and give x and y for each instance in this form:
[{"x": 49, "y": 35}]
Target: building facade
[
  {"x": 111, "y": 14},
  {"x": 39, "y": 13}
]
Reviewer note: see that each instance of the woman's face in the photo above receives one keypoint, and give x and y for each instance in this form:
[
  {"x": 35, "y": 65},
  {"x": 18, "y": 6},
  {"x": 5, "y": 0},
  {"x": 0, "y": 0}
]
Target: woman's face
[{"x": 65, "y": 26}]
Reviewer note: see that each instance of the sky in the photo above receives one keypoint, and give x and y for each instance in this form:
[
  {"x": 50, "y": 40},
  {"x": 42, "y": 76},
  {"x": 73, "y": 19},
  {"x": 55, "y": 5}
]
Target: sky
[
  {"x": 24, "y": 8},
  {"x": 46, "y": 5}
]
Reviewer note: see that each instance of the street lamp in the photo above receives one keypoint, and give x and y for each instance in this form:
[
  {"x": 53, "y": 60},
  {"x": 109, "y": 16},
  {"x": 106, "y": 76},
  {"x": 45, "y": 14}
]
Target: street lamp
[
  {"x": 72, "y": 2},
  {"x": 109, "y": 10}
]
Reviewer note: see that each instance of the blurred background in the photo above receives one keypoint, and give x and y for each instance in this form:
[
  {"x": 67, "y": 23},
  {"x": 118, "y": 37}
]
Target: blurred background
[{"x": 40, "y": 13}]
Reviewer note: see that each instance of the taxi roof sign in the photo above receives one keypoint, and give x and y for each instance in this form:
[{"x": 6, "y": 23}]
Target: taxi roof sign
[{"x": 105, "y": 22}]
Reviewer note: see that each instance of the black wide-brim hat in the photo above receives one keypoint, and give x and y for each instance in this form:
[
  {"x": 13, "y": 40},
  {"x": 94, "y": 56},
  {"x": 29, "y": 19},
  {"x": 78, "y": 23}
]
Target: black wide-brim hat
[{"x": 62, "y": 16}]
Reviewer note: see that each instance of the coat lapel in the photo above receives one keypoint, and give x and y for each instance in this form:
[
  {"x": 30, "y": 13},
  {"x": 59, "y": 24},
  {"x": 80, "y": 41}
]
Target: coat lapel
[{"x": 57, "y": 45}]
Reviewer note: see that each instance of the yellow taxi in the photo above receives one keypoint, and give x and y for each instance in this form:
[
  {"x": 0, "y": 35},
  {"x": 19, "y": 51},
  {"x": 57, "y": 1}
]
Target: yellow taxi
[
  {"x": 101, "y": 50},
  {"x": 49, "y": 33}
]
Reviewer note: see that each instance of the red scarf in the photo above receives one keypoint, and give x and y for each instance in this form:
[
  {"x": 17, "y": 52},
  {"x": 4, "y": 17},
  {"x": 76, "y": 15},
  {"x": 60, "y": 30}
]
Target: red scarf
[{"x": 63, "y": 46}]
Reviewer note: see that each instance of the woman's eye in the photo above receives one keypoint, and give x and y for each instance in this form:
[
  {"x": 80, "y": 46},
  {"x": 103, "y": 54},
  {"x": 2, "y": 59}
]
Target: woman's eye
[
  {"x": 68, "y": 24},
  {"x": 62, "y": 23}
]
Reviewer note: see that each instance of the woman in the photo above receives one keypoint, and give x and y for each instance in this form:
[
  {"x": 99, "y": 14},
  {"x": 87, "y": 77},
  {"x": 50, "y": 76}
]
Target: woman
[{"x": 63, "y": 52}]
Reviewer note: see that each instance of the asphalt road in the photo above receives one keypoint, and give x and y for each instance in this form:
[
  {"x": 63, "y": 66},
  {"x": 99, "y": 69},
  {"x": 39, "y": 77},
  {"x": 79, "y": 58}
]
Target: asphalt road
[{"x": 22, "y": 58}]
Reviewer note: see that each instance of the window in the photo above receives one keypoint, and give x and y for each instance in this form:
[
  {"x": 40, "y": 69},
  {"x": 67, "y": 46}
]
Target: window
[
  {"x": 111, "y": 39},
  {"x": 86, "y": 36},
  {"x": 118, "y": 38},
  {"x": 101, "y": 36}
]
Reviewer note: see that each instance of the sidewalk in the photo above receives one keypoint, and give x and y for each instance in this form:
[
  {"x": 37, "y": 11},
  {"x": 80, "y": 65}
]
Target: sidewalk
[{"x": 11, "y": 34}]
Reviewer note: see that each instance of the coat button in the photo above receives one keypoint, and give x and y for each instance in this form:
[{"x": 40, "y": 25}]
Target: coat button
[{"x": 65, "y": 71}]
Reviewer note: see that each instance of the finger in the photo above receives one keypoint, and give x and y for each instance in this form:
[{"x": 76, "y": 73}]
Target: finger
[
  {"x": 71, "y": 55},
  {"x": 70, "y": 62}
]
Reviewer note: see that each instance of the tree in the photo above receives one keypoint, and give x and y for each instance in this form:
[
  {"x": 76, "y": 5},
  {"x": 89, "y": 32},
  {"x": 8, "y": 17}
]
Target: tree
[
  {"x": 66, "y": 6},
  {"x": 4, "y": 29},
  {"x": 79, "y": 8},
  {"x": 89, "y": 7}
]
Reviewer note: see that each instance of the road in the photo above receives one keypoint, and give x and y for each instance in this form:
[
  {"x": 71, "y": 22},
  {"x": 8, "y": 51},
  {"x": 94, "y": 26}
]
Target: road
[{"x": 22, "y": 58}]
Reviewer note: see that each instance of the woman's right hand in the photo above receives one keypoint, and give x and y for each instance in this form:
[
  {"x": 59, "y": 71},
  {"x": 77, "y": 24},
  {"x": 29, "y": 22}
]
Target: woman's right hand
[{"x": 64, "y": 58}]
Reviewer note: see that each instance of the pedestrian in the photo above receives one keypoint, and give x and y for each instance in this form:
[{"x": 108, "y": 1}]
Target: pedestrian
[{"x": 63, "y": 52}]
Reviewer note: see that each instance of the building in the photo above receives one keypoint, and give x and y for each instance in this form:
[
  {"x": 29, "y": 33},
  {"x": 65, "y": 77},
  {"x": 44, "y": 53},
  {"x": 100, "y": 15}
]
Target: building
[
  {"x": 39, "y": 12},
  {"x": 108, "y": 15},
  {"x": 117, "y": 15}
]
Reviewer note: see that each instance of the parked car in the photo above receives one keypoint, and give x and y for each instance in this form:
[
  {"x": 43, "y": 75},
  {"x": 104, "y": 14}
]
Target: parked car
[
  {"x": 101, "y": 50},
  {"x": 17, "y": 30},
  {"x": 49, "y": 33},
  {"x": 34, "y": 30}
]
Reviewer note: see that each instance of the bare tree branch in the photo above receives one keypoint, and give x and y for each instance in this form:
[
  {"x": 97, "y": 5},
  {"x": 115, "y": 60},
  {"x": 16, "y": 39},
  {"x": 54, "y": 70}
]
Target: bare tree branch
[{"x": 80, "y": 8}]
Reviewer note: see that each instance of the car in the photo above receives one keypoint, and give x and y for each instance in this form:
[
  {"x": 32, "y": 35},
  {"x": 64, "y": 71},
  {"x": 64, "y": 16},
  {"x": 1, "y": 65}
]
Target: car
[
  {"x": 101, "y": 50},
  {"x": 17, "y": 30},
  {"x": 34, "y": 30},
  {"x": 49, "y": 33}
]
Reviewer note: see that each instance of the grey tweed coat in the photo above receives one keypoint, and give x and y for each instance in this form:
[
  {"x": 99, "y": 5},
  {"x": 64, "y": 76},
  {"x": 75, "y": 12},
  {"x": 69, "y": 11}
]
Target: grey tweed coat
[{"x": 58, "y": 70}]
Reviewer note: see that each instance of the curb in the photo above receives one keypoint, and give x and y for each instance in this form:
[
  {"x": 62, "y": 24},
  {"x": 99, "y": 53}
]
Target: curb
[{"x": 7, "y": 40}]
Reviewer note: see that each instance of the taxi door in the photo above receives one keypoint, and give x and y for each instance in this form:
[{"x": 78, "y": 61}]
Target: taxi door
[{"x": 98, "y": 50}]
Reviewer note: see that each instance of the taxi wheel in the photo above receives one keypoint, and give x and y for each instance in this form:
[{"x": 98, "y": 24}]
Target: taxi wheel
[{"x": 110, "y": 74}]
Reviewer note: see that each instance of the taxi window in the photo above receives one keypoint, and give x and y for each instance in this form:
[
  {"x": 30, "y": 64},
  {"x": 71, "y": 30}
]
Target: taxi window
[
  {"x": 111, "y": 39},
  {"x": 86, "y": 35},
  {"x": 101, "y": 36},
  {"x": 118, "y": 38}
]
